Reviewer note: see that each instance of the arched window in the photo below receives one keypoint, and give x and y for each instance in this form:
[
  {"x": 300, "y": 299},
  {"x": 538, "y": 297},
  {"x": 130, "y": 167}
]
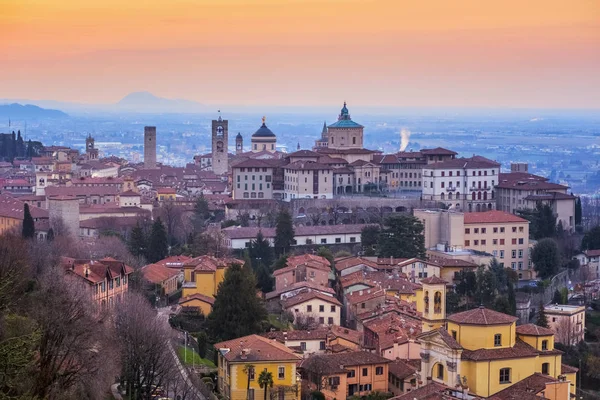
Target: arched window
[
  {"x": 449, "y": 196},
  {"x": 426, "y": 301},
  {"x": 442, "y": 196},
  {"x": 485, "y": 195},
  {"x": 473, "y": 196},
  {"x": 478, "y": 195},
  {"x": 437, "y": 303}
]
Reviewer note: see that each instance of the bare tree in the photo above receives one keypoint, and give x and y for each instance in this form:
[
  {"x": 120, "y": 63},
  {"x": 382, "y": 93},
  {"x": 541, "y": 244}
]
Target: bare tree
[
  {"x": 171, "y": 215},
  {"x": 315, "y": 370},
  {"x": 14, "y": 269},
  {"x": 76, "y": 357},
  {"x": 305, "y": 321},
  {"x": 564, "y": 332},
  {"x": 144, "y": 341}
]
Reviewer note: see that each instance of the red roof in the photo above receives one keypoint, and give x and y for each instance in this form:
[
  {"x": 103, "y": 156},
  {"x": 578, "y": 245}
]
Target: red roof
[
  {"x": 434, "y": 280},
  {"x": 307, "y": 296},
  {"x": 482, "y": 316},
  {"x": 197, "y": 296},
  {"x": 533, "y": 330},
  {"x": 158, "y": 273},
  {"x": 492, "y": 217}
]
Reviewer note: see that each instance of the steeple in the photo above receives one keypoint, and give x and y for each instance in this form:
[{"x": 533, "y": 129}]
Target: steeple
[
  {"x": 324, "y": 131},
  {"x": 344, "y": 114},
  {"x": 298, "y": 147}
]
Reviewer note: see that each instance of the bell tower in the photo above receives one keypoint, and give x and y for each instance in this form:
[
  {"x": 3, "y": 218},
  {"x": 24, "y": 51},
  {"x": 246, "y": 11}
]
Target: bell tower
[
  {"x": 432, "y": 304},
  {"x": 239, "y": 144},
  {"x": 90, "y": 149},
  {"x": 220, "y": 131}
]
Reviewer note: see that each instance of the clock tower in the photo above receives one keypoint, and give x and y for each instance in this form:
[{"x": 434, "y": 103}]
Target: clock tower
[{"x": 220, "y": 131}]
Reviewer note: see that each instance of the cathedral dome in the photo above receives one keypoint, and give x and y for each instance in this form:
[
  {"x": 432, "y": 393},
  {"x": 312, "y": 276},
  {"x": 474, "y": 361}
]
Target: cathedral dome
[{"x": 263, "y": 131}]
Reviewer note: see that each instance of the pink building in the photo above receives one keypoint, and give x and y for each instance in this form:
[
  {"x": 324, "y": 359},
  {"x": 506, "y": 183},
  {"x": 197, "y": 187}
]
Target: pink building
[{"x": 304, "y": 268}]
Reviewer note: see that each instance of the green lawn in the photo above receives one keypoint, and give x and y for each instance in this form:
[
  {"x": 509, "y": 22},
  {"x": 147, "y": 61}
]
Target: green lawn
[
  {"x": 275, "y": 322},
  {"x": 190, "y": 357}
]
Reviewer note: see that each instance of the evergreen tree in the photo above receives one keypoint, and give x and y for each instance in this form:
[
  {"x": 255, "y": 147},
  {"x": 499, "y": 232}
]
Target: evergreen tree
[
  {"x": 237, "y": 310},
  {"x": 546, "y": 258},
  {"x": 486, "y": 287},
  {"x": 578, "y": 212},
  {"x": 201, "y": 213},
  {"x": 326, "y": 253},
  {"x": 281, "y": 262},
  {"x": 50, "y": 236},
  {"x": 264, "y": 277},
  {"x": 158, "y": 247},
  {"x": 284, "y": 232},
  {"x": 28, "y": 224},
  {"x": 556, "y": 298},
  {"x": 402, "y": 237},
  {"x": 260, "y": 250},
  {"x": 512, "y": 300},
  {"x": 542, "y": 221},
  {"x": 138, "y": 244},
  {"x": 542, "y": 319},
  {"x": 591, "y": 239},
  {"x": 368, "y": 238}
]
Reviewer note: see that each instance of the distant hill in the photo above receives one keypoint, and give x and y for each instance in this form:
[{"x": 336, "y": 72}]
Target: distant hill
[
  {"x": 147, "y": 102},
  {"x": 17, "y": 111}
]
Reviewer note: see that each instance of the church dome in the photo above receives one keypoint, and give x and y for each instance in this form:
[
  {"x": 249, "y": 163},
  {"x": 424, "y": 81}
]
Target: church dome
[
  {"x": 263, "y": 131},
  {"x": 239, "y": 136}
]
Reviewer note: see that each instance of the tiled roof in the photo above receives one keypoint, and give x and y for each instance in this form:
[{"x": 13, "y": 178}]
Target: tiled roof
[
  {"x": 526, "y": 389},
  {"x": 400, "y": 369},
  {"x": 298, "y": 286},
  {"x": 492, "y": 217},
  {"x": 476, "y": 162},
  {"x": 307, "y": 260},
  {"x": 337, "y": 363},
  {"x": 525, "y": 181},
  {"x": 158, "y": 273},
  {"x": 174, "y": 261},
  {"x": 392, "y": 328},
  {"x": 550, "y": 196},
  {"x": 434, "y": 280},
  {"x": 431, "y": 391},
  {"x": 307, "y": 296},
  {"x": 519, "y": 350},
  {"x": 236, "y": 232},
  {"x": 567, "y": 369},
  {"x": 307, "y": 165},
  {"x": 314, "y": 334},
  {"x": 363, "y": 295},
  {"x": 533, "y": 330},
  {"x": 81, "y": 191},
  {"x": 303, "y": 153},
  {"x": 451, "y": 262},
  {"x": 108, "y": 222},
  {"x": 255, "y": 348},
  {"x": 13, "y": 208},
  {"x": 210, "y": 263},
  {"x": 352, "y": 262},
  {"x": 331, "y": 160},
  {"x": 197, "y": 296},
  {"x": 482, "y": 316},
  {"x": 94, "y": 271},
  {"x": 438, "y": 151},
  {"x": 345, "y": 333},
  {"x": 592, "y": 253}
]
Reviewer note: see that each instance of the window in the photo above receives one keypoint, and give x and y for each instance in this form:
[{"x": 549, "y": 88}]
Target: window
[
  {"x": 321, "y": 308},
  {"x": 521, "y": 240},
  {"x": 501, "y": 242},
  {"x": 483, "y": 242},
  {"x": 476, "y": 242},
  {"x": 483, "y": 230},
  {"x": 521, "y": 229},
  {"x": 467, "y": 242},
  {"x": 303, "y": 346},
  {"x": 353, "y": 240},
  {"x": 476, "y": 230},
  {"x": 514, "y": 241},
  {"x": 454, "y": 335},
  {"x": 514, "y": 254},
  {"x": 334, "y": 381},
  {"x": 440, "y": 371},
  {"x": 309, "y": 308},
  {"x": 520, "y": 253},
  {"x": 379, "y": 371},
  {"x": 118, "y": 282},
  {"x": 497, "y": 340},
  {"x": 365, "y": 372},
  {"x": 467, "y": 231},
  {"x": 323, "y": 241},
  {"x": 495, "y": 241},
  {"x": 514, "y": 229},
  {"x": 502, "y": 230},
  {"x": 338, "y": 240},
  {"x": 505, "y": 375},
  {"x": 545, "y": 368},
  {"x": 321, "y": 320},
  {"x": 495, "y": 230},
  {"x": 362, "y": 305},
  {"x": 281, "y": 372},
  {"x": 110, "y": 284},
  {"x": 330, "y": 321},
  {"x": 351, "y": 373},
  {"x": 544, "y": 345},
  {"x": 322, "y": 345},
  {"x": 251, "y": 371}
]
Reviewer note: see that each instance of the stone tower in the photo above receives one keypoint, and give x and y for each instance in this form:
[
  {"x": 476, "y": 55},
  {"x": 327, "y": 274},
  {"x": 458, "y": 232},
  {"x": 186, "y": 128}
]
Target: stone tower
[
  {"x": 220, "y": 132},
  {"x": 149, "y": 147},
  {"x": 239, "y": 144},
  {"x": 90, "y": 150},
  {"x": 64, "y": 215},
  {"x": 345, "y": 133},
  {"x": 433, "y": 304}
]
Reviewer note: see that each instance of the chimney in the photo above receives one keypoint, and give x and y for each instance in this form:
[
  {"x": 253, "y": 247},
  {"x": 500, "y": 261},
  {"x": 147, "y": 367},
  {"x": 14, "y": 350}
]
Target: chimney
[{"x": 86, "y": 270}]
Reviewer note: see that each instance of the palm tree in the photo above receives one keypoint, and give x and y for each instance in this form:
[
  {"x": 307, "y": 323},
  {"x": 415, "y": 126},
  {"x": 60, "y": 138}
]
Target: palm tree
[
  {"x": 265, "y": 380},
  {"x": 248, "y": 369}
]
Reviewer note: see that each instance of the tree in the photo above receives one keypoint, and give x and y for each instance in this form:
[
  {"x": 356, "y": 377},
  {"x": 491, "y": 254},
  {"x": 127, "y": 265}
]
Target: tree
[
  {"x": 402, "y": 237},
  {"x": 467, "y": 283},
  {"x": 368, "y": 238},
  {"x": 237, "y": 310},
  {"x": 158, "y": 247},
  {"x": 249, "y": 371},
  {"x": 201, "y": 213},
  {"x": 326, "y": 253},
  {"x": 284, "y": 232},
  {"x": 578, "y": 212},
  {"x": 512, "y": 300},
  {"x": 556, "y": 298},
  {"x": 265, "y": 380},
  {"x": 202, "y": 339},
  {"x": 260, "y": 250},
  {"x": 542, "y": 318},
  {"x": 542, "y": 219},
  {"x": 264, "y": 277},
  {"x": 546, "y": 258},
  {"x": 147, "y": 361},
  {"x": 15, "y": 270},
  {"x": 591, "y": 240},
  {"x": 486, "y": 286},
  {"x": 138, "y": 244},
  {"x": 50, "y": 236},
  {"x": 28, "y": 225},
  {"x": 281, "y": 262}
]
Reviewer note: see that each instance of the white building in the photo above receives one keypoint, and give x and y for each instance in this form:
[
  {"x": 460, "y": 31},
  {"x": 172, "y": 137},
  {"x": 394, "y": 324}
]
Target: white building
[
  {"x": 462, "y": 183},
  {"x": 308, "y": 180}
]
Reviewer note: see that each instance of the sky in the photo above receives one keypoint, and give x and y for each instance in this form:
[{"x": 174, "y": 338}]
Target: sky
[{"x": 419, "y": 53}]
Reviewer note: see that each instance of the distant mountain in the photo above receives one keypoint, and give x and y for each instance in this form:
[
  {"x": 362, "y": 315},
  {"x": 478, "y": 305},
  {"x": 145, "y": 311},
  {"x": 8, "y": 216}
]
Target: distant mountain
[
  {"x": 17, "y": 111},
  {"x": 147, "y": 102}
]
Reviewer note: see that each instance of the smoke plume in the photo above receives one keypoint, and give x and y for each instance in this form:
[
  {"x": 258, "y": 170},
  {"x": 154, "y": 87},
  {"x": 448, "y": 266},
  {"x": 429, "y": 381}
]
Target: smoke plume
[{"x": 404, "y": 138}]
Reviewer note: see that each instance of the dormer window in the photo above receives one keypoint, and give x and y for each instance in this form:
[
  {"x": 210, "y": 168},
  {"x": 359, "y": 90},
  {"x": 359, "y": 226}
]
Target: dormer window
[
  {"x": 544, "y": 345},
  {"x": 497, "y": 340}
]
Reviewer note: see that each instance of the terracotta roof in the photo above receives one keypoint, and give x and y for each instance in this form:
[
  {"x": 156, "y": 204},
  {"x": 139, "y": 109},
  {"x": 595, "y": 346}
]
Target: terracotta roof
[
  {"x": 298, "y": 286},
  {"x": 533, "y": 330},
  {"x": 431, "y": 391},
  {"x": 13, "y": 208},
  {"x": 306, "y": 296},
  {"x": 236, "y": 232},
  {"x": 352, "y": 262},
  {"x": 197, "y": 296},
  {"x": 567, "y": 369},
  {"x": 519, "y": 350},
  {"x": 308, "y": 260},
  {"x": 210, "y": 263},
  {"x": 337, "y": 363},
  {"x": 451, "y": 262},
  {"x": 174, "y": 261},
  {"x": 592, "y": 253},
  {"x": 400, "y": 369},
  {"x": 82, "y": 191},
  {"x": 345, "y": 333},
  {"x": 444, "y": 335},
  {"x": 492, "y": 217},
  {"x": 438, "y": 151},
  {"x": 95, "y": 271},
  {"x": 158, "y": 273},
  {"x": 550, "y": 196},
  {"x": 282, "y": 337},
  {"x": 363, "y": 295},
  {"x": 129, "y": 193},
  {"x": 255, "y": 348},
  {"x": 475, "y": 162},
  {"x": 525, "y": 389},
  {"x": 525, "y": 181},
  {"x": 434, "y": 280},
  {"x": 109, "y": 222},
  {"x": 392, "y": 328},
  {"x": 482, "y": 316}
]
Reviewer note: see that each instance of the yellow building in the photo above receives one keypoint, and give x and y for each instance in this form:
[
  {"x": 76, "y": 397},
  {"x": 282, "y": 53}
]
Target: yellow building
[
  {"x": 485, "y": 351},
  {"x": 241, "y": 361},
  {"x": 202, "y": 276},
  {"x": 431, "y": 302},
  {"x": 166, "y": 194}
]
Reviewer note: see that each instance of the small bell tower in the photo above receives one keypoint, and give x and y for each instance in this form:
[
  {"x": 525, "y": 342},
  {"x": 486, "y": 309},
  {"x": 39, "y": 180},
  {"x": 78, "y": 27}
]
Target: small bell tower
[{"x": 432, "y": 303}]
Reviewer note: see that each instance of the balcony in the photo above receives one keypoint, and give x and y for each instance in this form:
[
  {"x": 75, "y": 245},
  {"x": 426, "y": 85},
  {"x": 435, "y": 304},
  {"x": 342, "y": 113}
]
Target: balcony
[
  {"x": 451, "y": 189},
  {"x": 478, "y": 189}
]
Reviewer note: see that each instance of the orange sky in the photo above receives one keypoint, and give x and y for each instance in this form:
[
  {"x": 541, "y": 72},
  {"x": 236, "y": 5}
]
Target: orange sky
[{"x": 509, "y": 53}]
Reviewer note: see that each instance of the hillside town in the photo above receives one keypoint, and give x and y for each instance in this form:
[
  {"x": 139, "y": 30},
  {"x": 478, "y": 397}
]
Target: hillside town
[{"x": 335, "y": 272}]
